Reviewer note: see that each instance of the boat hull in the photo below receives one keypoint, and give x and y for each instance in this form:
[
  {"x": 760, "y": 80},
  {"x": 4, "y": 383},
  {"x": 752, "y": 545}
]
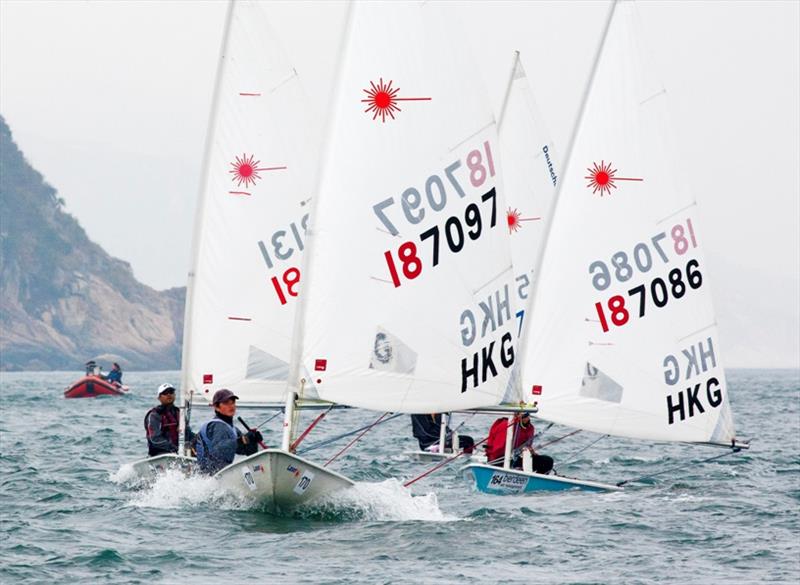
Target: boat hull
[
  {"x": 279, "y": 481},
  {"x": 146, "y": 470},
  {"x": 93, "y": 386},
  {"x": 430, "y": 456},
  {"x": 502, "y": 482}
]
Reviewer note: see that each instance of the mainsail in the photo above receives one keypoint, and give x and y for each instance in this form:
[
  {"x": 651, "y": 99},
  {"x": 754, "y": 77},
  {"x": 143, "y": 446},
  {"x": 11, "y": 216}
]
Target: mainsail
[
  {"x": 622, "y": 337},
  {"x": 406, "y": 298},
  {"x": 261, "y": 158},
  {"x": 530, "y": 176}
]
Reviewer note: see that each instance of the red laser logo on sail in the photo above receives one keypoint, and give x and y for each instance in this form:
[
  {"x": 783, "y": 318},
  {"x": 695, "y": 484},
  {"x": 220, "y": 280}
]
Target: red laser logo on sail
[
  {"x": 245, "y": 170},
  {"x": 382, "y": 100},
  {"x": 601, "y": 178},
  {"x": 514, "y": 219}
]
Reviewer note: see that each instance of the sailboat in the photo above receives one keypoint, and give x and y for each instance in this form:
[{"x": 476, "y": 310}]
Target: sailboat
[
  {"x": 530, "y": 176},
  {"x": 621, "y": 337},
  {"x": 405, "y": 242},
  {"x": 260, "y": 164}
]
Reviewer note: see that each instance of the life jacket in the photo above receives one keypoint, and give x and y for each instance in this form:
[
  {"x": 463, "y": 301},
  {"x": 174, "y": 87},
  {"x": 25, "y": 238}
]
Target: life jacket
[
  {"x": 169, "y": 425},
  {"x": 496, "y": 443},
  {"x": 205, "y": 460}
]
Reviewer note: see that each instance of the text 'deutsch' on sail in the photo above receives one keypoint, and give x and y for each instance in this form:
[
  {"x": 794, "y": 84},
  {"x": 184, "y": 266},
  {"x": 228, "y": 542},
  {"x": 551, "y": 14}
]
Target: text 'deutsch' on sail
[{"x": 530, "y": 174}]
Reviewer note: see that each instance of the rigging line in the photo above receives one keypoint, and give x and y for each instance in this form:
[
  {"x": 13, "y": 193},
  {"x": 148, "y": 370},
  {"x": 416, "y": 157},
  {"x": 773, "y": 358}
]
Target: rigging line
[
  {"x": 258, "y": 426},
  {"x": 449, "y": 460},
  {"x": 581, "y": 450},
  {"x": 343, "y": 435},
  {"x": 540, "y": 433},
  {"x": 354, "y": 441},
  {"x": 678, "y": 467},
  {"x": 449, "y": 434},
  {"x": 560, "y": 438},
  {"x": 308, "y": 430}
]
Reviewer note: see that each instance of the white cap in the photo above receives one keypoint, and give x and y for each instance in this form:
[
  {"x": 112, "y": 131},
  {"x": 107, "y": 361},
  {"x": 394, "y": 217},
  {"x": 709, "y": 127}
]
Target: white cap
[{"x": 163, "y": 387}]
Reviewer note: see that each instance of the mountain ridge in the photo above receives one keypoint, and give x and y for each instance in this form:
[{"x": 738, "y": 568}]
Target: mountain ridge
[{"x": 63, "y": 299}]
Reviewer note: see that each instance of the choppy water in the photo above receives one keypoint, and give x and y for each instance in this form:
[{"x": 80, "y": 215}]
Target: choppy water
[{"x": 68, "y": 516}]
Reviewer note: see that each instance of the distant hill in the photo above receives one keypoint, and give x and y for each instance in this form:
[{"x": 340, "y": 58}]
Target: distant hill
[{"x": 63, "y": 299}]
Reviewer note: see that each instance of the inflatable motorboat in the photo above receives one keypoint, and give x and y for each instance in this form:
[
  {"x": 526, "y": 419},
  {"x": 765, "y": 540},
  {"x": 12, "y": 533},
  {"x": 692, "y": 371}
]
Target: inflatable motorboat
[{"x": 91, "y": 386}]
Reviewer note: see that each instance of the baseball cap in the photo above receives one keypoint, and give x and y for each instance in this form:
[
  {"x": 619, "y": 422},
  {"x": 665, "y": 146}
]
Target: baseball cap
[
  {"x": 222, "y": 396},
  {"x": 164, "y": 387}
]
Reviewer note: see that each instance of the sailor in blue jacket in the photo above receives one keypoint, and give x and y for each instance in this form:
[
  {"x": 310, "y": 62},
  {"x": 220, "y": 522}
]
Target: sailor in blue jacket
[
  {"x": 219, "y": 440},
  {"x": 115, "y": 375}
]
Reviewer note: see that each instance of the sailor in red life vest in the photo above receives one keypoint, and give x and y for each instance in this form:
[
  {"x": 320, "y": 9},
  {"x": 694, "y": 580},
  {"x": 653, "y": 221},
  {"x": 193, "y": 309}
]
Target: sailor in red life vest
[
  {"x": 523, "y": 439},
  {"x": 162, "y": 424}
]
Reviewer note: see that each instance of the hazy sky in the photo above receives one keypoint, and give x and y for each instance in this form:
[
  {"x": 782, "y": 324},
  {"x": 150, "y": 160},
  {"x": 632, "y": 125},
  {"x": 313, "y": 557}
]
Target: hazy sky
[{"x": 109, "y": 100}]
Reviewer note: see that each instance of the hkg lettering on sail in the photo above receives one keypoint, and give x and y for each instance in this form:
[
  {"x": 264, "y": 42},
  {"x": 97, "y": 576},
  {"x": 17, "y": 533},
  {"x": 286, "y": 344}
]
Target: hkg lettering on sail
[
  {"x": 693, "y": 399},
  {"x": 482, "y": 362},
  {"x": 492, "y": 313}
]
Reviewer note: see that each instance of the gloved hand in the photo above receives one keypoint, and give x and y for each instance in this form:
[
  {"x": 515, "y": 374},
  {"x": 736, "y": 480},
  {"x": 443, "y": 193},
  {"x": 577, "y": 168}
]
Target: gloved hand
[{"x": 254, "y": 436}]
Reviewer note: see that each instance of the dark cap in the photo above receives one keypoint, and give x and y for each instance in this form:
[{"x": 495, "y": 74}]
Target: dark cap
[{"x": 222, "y": 396}]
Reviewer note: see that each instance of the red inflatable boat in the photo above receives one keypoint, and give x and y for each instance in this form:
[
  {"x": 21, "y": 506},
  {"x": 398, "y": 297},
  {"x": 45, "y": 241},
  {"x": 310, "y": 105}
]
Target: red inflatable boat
[{"x": 91, "y": 386}]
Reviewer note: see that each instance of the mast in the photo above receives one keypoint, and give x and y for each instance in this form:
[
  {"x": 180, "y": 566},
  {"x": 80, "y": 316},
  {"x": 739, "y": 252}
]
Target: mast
[
  {"x": 198, "y": 223},
  {"x": 570, "y": 146},
  {"x": 503, "y": 106},
  {"x": 294, "y": 383}
]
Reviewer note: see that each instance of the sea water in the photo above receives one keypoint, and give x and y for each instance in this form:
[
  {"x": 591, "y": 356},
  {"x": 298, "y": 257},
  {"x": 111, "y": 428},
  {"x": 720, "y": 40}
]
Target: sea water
[{"x": 71, "y": 515}]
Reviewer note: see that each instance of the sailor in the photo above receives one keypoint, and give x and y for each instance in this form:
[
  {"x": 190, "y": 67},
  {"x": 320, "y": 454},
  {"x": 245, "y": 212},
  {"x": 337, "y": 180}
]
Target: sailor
[
  {"x": 162, "y": 423},
  {"x": 522, "y": 441},
  {"x": 218, "y": 441},
  {"x": 426, "y": 429},
  {"x": 115, "y": 375}
]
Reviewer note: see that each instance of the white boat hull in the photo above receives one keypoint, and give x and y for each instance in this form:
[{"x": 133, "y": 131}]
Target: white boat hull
[
  {"x": 279, "y": 481},
  {"x": 434, "y": 456},
  {"x": 146, "y": 470}
]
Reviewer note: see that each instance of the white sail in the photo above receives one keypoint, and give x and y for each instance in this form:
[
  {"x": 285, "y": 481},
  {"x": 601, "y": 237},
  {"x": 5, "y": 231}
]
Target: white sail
[
  {"x": 530, "y": 175},
  {"x": 262, "y": 154},
  {"x": 406, "y": 299},
  {"x": 622, "y": 338}
]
